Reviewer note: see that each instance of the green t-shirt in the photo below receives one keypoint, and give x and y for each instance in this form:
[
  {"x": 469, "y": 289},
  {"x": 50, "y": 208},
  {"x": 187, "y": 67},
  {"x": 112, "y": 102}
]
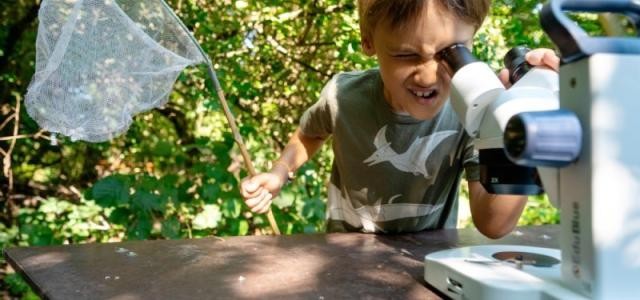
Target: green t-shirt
[{"x": 391, "y": 172}]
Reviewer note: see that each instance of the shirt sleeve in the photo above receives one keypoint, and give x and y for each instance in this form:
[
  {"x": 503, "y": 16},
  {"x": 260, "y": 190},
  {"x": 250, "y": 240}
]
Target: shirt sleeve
[
  {"x": 318, "y": 120},
  {"x": 471, "y": 162}
]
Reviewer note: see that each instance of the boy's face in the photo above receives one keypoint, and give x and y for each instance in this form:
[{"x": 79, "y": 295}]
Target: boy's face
[{"x": 414, "y": 81}]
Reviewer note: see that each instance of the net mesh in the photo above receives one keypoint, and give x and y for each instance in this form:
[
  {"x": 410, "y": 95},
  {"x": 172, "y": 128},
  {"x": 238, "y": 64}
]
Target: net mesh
[{"x": 100, "y": 62}]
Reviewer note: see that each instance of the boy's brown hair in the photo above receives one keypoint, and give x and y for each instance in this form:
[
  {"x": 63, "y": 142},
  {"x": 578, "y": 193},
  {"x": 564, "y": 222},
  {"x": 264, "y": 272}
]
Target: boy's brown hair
[{"x": 399, "y": 12}]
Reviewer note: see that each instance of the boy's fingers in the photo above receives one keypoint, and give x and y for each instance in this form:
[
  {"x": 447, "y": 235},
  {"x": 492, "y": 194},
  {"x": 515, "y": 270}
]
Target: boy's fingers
[
  {"x": 546, "y": 57},
  {"x": 504, "y": 77},
  {"x": 551, "y": 60},
  {"x": 250, "y": 186},
  {"x": 254, "y": 201},
  {"x": 535, "y": 56},
  {"x": 263, "y": 207},
  {"x": 246, "y": 195}
]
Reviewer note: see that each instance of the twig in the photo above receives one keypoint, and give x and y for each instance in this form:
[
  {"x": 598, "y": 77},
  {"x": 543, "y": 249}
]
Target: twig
[
  {"x": 15, "y": 137},
  {"x": 7, "y": 171},
  {"x": 189, "y": 235},
  {"x": 7, "y": 158},
  {"x": 286, "y": 53},
  {"x": 9, "y": 118},
  {"x": 36, "y": 135}
]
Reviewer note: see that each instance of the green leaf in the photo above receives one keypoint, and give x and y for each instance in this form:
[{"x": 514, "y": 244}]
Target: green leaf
[
  {"x": 148, "y": 183},
  {"x": 54, "y": 206},
  {"x": 38, "y": 235},
  {"x": 212, "y": 171},
  {"x": 111, "y": 191},
  {"x": 148, "y": 201},
  {"x": 169, "y": 180},
  {"x": 313, "y": 208},
  {"x": 208, "y": 218},
  {"x": 232, "y": 208},
  {"x": 234, "y": 227},
  {"x": 15, "y": 284},
  {"x": 243, "y": 227},
  {"x": 285, "y": 199},
  {"x": 210, "y": 192},
  {"x": 171, "y": 228},
  {"x": 183, "y": 192},
  {"x": 163, "y": 149},
  {"x": 120, "y": 216},
  {"x": 141, "y": 228},
  {"x": 7, "y": 235}
]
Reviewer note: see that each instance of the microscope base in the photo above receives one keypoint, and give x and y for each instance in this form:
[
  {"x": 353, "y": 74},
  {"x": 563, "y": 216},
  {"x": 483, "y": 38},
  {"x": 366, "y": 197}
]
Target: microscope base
[{"x": 498, "y": 272}]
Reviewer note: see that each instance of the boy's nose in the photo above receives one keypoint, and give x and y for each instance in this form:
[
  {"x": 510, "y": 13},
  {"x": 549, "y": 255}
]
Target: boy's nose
[{"x": 426, "y": 73}]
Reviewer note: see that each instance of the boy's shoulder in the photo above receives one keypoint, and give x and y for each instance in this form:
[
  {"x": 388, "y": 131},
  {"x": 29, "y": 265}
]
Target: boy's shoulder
[
  {"x": 354, "y": 85},
  {"x": 352, "y": 79}
]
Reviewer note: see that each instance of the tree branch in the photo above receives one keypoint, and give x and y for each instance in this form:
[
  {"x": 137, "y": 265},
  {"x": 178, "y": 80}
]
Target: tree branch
[
  {"x": 9, "y": 118},
  {"x": 39, "y": 134},
  {"x": 285, "y": 52}
]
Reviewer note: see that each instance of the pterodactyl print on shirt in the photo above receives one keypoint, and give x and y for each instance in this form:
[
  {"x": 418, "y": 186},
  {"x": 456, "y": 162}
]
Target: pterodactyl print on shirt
[{"x": 414, "y": 159}]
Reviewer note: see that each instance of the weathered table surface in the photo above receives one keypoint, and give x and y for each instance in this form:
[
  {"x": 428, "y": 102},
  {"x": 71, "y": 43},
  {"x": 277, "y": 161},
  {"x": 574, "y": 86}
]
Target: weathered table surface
[{"x": 317, "y": 266}]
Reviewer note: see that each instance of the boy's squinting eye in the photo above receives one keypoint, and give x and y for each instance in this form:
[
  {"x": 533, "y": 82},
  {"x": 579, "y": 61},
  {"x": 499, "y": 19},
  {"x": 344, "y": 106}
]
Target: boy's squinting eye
[{"x": 405, "y": 55}]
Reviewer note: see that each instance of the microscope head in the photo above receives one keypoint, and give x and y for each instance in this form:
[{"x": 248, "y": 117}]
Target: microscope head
[{"x": 475, "y": 91}]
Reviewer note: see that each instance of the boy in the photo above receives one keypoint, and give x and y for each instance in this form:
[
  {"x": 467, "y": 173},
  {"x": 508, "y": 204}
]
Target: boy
[{"x": 399, "y": 147}]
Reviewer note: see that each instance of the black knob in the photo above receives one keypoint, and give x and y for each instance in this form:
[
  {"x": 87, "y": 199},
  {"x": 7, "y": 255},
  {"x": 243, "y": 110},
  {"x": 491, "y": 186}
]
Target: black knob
[{"x": 516, "y": 63}]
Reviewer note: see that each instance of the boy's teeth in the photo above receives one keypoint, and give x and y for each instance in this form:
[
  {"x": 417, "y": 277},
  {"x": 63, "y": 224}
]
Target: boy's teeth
[{"x": 423, "y": 94}]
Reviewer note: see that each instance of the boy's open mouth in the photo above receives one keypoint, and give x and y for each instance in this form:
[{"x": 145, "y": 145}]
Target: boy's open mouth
[{"x": 425, "y": 96}]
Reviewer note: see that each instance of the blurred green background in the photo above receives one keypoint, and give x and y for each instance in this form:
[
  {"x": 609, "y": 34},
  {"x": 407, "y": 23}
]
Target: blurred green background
[{"x": 175, "y": 173}]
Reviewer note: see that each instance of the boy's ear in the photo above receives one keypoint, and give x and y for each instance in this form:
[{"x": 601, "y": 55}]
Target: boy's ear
[{"x": 367, "y": 45}]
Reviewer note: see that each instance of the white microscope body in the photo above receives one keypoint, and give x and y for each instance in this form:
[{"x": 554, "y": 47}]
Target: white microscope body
[{"x": 596, "y": 185}]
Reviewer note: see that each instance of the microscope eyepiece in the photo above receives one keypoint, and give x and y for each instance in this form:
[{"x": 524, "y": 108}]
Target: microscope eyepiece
[
  {"x": 543, "y": 138},
  {"x": 456, "y": 56},
  {"x": 516, "y": 63}
]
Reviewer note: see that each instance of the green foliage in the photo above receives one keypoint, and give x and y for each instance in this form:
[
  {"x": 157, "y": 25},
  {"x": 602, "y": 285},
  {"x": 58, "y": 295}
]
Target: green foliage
[
  {"x": 57, "y": 221},
  {"x": 539, "y": 211},
  {"x": 175, "y": 173},
  {"x": 16, "y": 286}
]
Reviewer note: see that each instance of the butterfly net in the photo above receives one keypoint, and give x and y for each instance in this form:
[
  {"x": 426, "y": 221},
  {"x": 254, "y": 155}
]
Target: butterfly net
[{"x": 100, "y": 62}]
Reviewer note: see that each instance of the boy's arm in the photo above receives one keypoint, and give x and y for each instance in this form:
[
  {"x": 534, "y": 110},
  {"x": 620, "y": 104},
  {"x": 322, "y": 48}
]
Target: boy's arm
[
  {"x": 494, "y": 215},
  {"x": 299, "y": 149},
  {"x": 258, "y": 191}
]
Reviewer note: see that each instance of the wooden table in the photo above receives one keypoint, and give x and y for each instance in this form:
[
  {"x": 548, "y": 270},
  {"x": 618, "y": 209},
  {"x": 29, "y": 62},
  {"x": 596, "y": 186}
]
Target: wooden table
[{"x": 317, "y": 266}]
